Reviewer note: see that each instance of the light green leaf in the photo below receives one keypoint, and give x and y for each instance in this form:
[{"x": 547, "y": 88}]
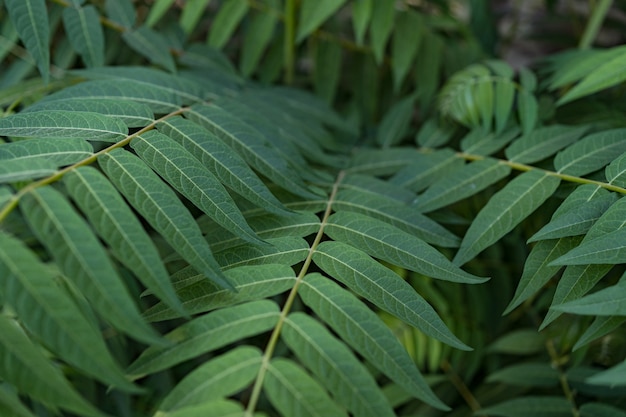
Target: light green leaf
[
  {"x": 81, "y": 257},
  {"x": 406, "y": 40},
  {"x": 600, "y": 410},
  {"x": 220, "y": 377},
  {"x": 47, "y": 311},
  {"x": 363, "y": 330},
  {"x": 504, "y": 96},
  {"x": 381, "y": 162},
  {"x": 600, "y": 327},
  {"x": 123, "y": 12},
  {"x": 361, "y": 14},
  {"x": 330, "y": 360},
  {"x": 250, "y": 282},
  {"x": 505, "y": 210},
  {"x": 608, "y": 74},
  {"x": 257, "y": 37},
  {"x": 84, "y": 31},
  {"x": 527, "y": 111},
  {"x": 30, "y": 18},
  {"x": 426, "y": 168},
  {"x": 313, "y": 13},
  {"x": 26, "y": 169},
  {"x": 10, "y": 404},
  {"x": 64, "y": 124},
  {"x": 391, "y": 244},
  {"x": 466, "y": 181},
  {"x": 189, "y": 177},
  {"x": 286, "y": 250},
  {"x": 211, "y": 408},
  {"x": 205, "y": 334},
  {"x": 157, "y": 11},
  {"x": 295, "y": 394},
  {"x": 575, "y": 64},
  {"x": 192, "y": 12},
  {"x": 395, "y": 123},
  {"x": 530, "y": 406},
  {"x": 225, "y": 22},
  {"x": 382, "y": 287},
  {"x": 381, "y": 25},
  {"x": 529, "y": 374},
  {"x": 610, "y": 301},
  {"x": 543, "y": 143},
  {"x": 591, "y": 153},
  {"x": 116, "y": 224},
  {"x": 23, "y": 365},
  {"x": 519, "y": 342},
  {"x": 222, "y": 161},
  {"x": 152, "y": 45},
  {"x": 160, "y": 206}
]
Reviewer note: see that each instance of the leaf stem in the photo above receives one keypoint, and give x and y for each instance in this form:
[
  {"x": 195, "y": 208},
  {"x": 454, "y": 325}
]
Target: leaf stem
[
  {"x": 557, "y": 362},
  {"x": 271, "y": 344}
]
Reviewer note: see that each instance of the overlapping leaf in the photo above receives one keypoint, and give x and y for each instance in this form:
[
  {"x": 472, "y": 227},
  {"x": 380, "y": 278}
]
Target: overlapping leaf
[
  {"x": 82, "y": 25},
  {"x": 592, "y": 152},
  {"x": 149, "y": 43}
]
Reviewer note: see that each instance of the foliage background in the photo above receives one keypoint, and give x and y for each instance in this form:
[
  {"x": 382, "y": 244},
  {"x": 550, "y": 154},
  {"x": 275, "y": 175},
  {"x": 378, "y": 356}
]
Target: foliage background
[{"x": 438, "y": 135}]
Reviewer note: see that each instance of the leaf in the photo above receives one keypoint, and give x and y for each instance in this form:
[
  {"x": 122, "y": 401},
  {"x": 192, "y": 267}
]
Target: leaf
[
  {"x": 361, "y": 15},
  {"x": 360, "y": 328},
  {"x": 160, "y": 206},
  {"x": 381, "y": 25},
  {"x": 30, "y": 18},
  {"x": 591, "y": 153},
  {"x": 330, "y": 360},
  {"x": 505, "y": 210},
  {"x": 220, "y": 377},
  {"x": 257, "y": 38},
  {"x": 391, "y": 244},
  {"x": 84, "y": 31},
  {"x": 381, "y": 162},
  {"x": 376, "y": 187},
  {"x": 49, "y": 313},
  {"x": 222, "y": 161},
  {"x": 313, "y": 13},
  {"x": 611, "y": 377},
  {"x": 205, "y": 334},
  {"x": 426, "y": 168},
  {"x": 150, "y": 44},
  {"x": 250, "y": 282},
  {"x": 527, "y": 375},
  {"x": 395, "y": 123},
  {"x": 527, "y": 111},
  {"x": 432, "y": 134},
  {"x": 122, "y": 12},
  {"x": 608, "y": 74},
  {"x": 11, "y": 406},
  {"x": 610, "y": 301},
  {"x": 600, "y": 410},
  {"x": 58, "y": 152},
  {"x": 466, "y": 181},
  {"x": 407, "y": 37},
  {"x": 479, "y": 143},
  {"x": 212, "y": 408},
  {"x": 519, "y": 342},
  {"x": 543, "y": 142},
  {"x": 23, "y": 365},
  {"x": 382, "y": 287},
  {"x": 226, "y": 21},
  {"x": 189, "y": 177},
  {"x": 12, "y": 171},
  {"x": 80, "y": 256},
  {"x": 504, "y": 96},
  {"x": 601, "y": 326},
  {"x": 157, "y": 11},
  {"x": 116, "y": 224},
  {"x": 191, "y": 14},
  {"x": 615, "y": 172},
  {"x": 286, "y": 250},
  {"x": 294, "y": 393},
  {"x": 63, "y": 124},
  {"x": 531, "y": 406},
  {"x": 327, "y": 69}
]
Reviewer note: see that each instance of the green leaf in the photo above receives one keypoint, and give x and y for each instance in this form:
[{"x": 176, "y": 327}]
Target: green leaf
[
  {"x": 432, "y": 134},
  {"x": 152, "y": 45},
  {"x": 157, "y": 11},
  {"x": 477, "y": 142},
  {"x": 84, "y": 31},
  {"x": 505, "y": 210},
  {"x": 611, "y": 377},
  {"x": 250, "y": 282},
  {"x": 330, "y": 360},
  {"x": 11, "y": 406},
  {"x": 212, "y": 408},
  {"x": 226, "y": 21},
  {"x": 600, "y": 410},
  {"x": 406, "y": 40},
  {"x": 519, "y": 342},
  {"x": 64, "y": 124},
  {"x": 286, "y": 250},
  {"x": 122, "y": 12},
  {"x": 189, "y": 177},
  {"x": 294, "y": 393},
  {"x": 527, "y": 375},
  {"x": 543, "y": 142},
  {"x": 504, "y": 97},
  {"x": 363, "y": 330},
  {"x": 192, "y": 13},
  {"x": 222, "y": 161},
  {"x": 601, "y": 326},
  {"x": 257, "y": 38},
  {"x": 591, "y": 153},
  {"x": 23, "y": 365},
  {"x": 381, "y": 25},
  {"x": 220, "y": 377},
  {"x": 466, "y": 181},
  {"x": 381, "y": 162},
  {"x": 391, "y": 244},
  {"x": 361, "y": 15},
  {"x": 313, "y": 13},
  {"x": 527, "y": 111},
  {"x": 382, "y": 287},
  {"x": 207, "y": 333},
  {"x": 606, "y": 302},
  {"x": 327, "y": 68},
  {"x": 83, "y": 260},
  {"x": 30, "y": 18},
  {"x": 395, "y": 123},
  {"x": 59, "y": 152},
  {"x": 116, "y": 224},
  {"x": 160, "y": 206},
  {"x": 426, "y": 168},
  {"x": 26, "y": 169},
  {"x": 615, "y": 172},
  {"x": 48, "y": 312},
  {"x": 530, "y": 406},
  {"x": 377, "y": 187}
]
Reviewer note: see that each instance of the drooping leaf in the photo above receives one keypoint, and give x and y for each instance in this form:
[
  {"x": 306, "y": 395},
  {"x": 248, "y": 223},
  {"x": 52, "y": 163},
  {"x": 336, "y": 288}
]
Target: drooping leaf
[
  {"x": 82, "y": 25},
  {"x": 295, "y": 394},
  {"x": 531, "y": 374},
  {"x": 405, "y": 44},
  {"x": 330, "y": 360},
  {"x": 504, "y": 96},
  {"x": 543, "y": 142},
  {"x": 80, "y": 256},
  {"x": 313, "y": 13},
  {"x": 527, "y": 111},
  {"x": 226, "y": 21},
  {"x": 382, "y": 287},
  {"x": 606, "y": 302},
  {"x": 360, "y": 328},
  {"x": 30, "y": 18},
  {"x": 391, "y": 244},
  {"x": 601, "y": 326},
  {"x": 220, "y": 377},
  {"x": 361, "y": 15},
  {"x": 63, "y": 124},
  {"x": 592, "y": 152},
  {"x": 192, "y": 13},
  {"x": 207, "y": 333},
  {"x": 158, "y": 10},
  {"x": 327, "y": 69},
  {"x": 150, "y": 44},
  {"x": 119, "y": 228},
  {"x": 531, "y": 406},
  {"x": 395, "y": 123},
  {"x": 160, "y": 206},
  {"x": 505, "y": 210},
  {"x": 257, "y": 38},
  {"x": 122, "y": 12},
  {"x": 381, "y": 26}
]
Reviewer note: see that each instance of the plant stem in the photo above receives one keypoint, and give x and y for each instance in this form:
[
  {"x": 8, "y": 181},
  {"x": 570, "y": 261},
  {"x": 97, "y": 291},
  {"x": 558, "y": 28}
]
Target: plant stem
[
  {"x": 598, "y": 13},
  {"x": 290, "y": 41},
  {"x": 557, "y": 364}
]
